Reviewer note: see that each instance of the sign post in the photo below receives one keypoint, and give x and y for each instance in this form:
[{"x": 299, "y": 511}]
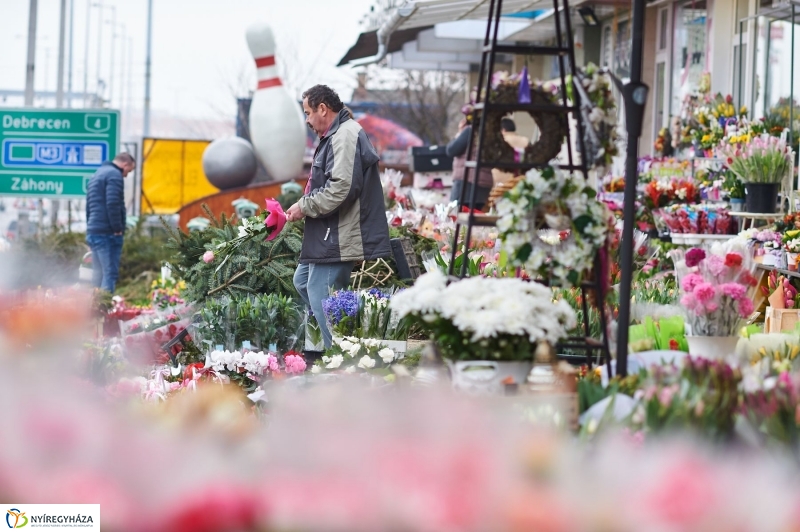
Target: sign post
[{"x": 52, "y": 153}]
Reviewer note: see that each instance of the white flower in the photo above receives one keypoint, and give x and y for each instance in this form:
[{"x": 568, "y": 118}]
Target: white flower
[
  {"x": 316, "y": 369},
  {"x": 336, "y": 361},
  {"x": 346, "y": 345},
  {"x": 242, "y": 231},
  {"x": 257, "y": 395},
  {"x": 387, "y": 355},
  {"x": 350, "y": 369},
  {"x": 366, "y": 362},
  {"x": 354, "y": 349}
]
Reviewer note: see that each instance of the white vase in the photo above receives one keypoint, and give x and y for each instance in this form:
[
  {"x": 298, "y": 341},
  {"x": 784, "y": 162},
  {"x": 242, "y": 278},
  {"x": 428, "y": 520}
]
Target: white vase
[
  {"x": 712, "y": 347},
  {"x": 485, "y": 377}
]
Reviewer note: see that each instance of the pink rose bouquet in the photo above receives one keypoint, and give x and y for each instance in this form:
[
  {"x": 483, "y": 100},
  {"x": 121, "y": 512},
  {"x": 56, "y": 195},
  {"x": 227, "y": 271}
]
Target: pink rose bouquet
[{"x": 715, "y": 292}]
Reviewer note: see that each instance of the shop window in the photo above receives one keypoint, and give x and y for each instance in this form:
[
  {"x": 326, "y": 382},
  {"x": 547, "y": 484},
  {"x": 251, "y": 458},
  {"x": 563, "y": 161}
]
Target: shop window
[
  {"x": 622, "y": 50},
  {"x": 690, "y": 48}
]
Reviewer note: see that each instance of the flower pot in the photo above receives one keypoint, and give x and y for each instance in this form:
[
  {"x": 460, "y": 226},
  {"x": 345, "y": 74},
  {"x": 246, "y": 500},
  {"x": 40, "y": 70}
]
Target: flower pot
[
  {"x": 737, "y": 204},
  {"x": 761, "y": 197},
  {"x": 791, "y": 261},
  {"x": 713, "y": 347},
  {"x": 485, "y": 377}
]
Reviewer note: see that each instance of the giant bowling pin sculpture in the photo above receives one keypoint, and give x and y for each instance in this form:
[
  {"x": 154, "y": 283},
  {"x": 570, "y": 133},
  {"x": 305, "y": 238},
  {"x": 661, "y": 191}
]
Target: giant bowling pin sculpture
[{"x": 277, "y": 127}]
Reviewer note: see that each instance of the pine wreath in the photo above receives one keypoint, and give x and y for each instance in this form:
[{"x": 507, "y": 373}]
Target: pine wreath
[
  {"x": 552, "y": 127},
  {"x": 552, "y": 226}
]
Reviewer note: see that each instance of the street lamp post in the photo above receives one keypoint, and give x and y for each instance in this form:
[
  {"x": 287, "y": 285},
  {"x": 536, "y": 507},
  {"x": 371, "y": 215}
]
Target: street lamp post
[
  {"x": 86, "y": 55},
  {"x": 99, "y": 7},
  {"x": 146, "y": 128},
  {"x": 113, "y": 23},
  {"x": 61, "y": 38},
  {"x": 30, "y": 67}
]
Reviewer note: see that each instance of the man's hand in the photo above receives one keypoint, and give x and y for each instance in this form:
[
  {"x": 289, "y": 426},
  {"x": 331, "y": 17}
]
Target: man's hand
[{"x": 294, "y": 213}]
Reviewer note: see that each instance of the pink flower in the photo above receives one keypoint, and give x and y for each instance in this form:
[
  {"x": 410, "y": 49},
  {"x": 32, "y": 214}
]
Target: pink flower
[
  {"x": 272, "y": 363},
  {"x": 208, "y": 256},
  {"x": 294, "y": 364},
  {"x": 733, "y": 290},
  {"x": 689, "y": 301},
  {"x": 704, "y": 292},
  {"x": 694, "y": 256},
  {"x": 745, "y": 307},
  {"x": 716, "y": 265},
  {"x": 712, "y": 306},
  {"x": 690, "y": 281},
  {"x": 276, "y": 218}
]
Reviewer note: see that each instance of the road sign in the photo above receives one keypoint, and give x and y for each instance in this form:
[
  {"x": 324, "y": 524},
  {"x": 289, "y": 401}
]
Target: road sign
[{"x": 53, "y": 152}]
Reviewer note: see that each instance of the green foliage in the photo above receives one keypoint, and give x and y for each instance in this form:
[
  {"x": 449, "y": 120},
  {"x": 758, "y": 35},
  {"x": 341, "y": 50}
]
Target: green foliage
[
  {"x": 261, "y": 319},
  {"x": 49, "y": 260},
  {"x": 142, "y": 252},
  {"x": 289, "y": 199},
  {"x": 254, "y": 266}
]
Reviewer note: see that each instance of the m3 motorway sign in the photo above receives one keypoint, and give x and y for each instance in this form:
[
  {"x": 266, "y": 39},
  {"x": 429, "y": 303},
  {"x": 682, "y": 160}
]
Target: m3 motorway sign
[{"x": 52, "y": 153}]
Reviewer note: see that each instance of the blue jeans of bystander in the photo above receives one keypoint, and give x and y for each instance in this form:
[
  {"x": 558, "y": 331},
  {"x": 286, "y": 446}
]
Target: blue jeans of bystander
[{"x": 106, "y": 253}]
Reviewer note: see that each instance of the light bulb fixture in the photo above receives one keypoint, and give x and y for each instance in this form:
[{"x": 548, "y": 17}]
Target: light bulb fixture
[{"x": 588, "y": 16}]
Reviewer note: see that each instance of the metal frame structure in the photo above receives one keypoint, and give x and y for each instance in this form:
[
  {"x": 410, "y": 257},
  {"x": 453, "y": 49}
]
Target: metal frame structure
[{"x": 565, "y": 52}]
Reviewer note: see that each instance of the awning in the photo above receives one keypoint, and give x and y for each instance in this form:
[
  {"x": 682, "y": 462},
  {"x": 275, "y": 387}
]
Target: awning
[
  {"x": 367, "y": 44},
  {"x": 430, "y": 12}
]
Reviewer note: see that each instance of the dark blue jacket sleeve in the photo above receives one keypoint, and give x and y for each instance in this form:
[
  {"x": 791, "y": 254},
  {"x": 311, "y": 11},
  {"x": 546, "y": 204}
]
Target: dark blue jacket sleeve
[
  {"x": 458, "y": 146},
  {"x": 115, "y": 203}
]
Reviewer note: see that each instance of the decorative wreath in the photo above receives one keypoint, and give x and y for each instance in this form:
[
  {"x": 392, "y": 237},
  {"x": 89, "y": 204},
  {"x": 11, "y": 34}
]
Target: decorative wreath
[
  {"x": 552, "y": 126},
  {"x": 552, "y": 226},
  {"x": 600, "y": 119}
]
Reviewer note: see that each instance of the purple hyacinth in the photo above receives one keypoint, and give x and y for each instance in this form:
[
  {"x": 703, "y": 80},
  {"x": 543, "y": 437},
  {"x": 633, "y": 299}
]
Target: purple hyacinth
[
  {"x": 341, "y": 304},
  {"x": 377, "y": 292}
]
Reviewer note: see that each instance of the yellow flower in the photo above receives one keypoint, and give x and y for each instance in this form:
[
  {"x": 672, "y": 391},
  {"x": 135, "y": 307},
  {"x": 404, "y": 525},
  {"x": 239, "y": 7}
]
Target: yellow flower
[
  {"x": 706, "y": 138},
  {"x": 743, "y": 110}
]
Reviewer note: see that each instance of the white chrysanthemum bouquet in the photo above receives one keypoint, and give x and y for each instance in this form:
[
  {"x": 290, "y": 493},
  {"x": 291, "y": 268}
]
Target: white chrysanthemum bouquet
[{"x": 483, "y": 318}]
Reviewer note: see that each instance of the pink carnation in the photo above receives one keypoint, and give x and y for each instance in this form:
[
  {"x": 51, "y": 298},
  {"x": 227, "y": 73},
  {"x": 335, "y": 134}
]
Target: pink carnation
[
  {"x": 294, "y": 364},
  {"x": 690, "y": 281},
  {"x": 745, "y": 307},
  {"x": 689, "y": 301},
  {"x": 704, "y": 292},
  {"x": 694, "y": 256},
  {"x": 208, "y": 256},
  {"x": 733, "y": 290},
  {"x": 716, "y": 265},
  {"x": 712, "y": 306}
]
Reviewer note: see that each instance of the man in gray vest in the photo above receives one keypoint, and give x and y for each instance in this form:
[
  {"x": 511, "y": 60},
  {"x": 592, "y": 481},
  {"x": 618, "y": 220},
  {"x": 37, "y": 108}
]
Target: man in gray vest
[{"x": 343, "y": 203}]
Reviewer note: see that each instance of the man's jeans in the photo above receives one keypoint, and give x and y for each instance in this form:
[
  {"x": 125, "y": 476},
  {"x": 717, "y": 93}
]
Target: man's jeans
[
  {"x": 106, "y": 252},
  {"x": 315, "y": 282}
]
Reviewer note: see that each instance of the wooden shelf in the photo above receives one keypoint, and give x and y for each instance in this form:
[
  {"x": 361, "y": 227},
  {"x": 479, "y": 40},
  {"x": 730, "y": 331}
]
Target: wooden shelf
[{"x": 787, "y": 273}]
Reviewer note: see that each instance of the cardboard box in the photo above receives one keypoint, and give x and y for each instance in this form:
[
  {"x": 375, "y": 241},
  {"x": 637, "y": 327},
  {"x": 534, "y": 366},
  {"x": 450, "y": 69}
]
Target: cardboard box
[{"x": 781, "y": 320}]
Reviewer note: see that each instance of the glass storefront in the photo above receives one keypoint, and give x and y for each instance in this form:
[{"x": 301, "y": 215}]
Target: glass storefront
[{"x": 689, "y": 50}]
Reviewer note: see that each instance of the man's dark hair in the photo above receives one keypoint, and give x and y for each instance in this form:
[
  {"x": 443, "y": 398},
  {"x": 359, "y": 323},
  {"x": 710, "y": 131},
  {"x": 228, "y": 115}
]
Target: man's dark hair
[
  {"x": 323, "y": 94},
  {"x": 507, "y": 124},
  {"x": 125, "y": 158}
]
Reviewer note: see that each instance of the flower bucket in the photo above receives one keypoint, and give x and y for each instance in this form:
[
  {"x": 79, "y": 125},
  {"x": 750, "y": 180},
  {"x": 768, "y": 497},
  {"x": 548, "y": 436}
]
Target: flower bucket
[
  {"x": 712, "y": 347},
  {"x": 761, "y": 197},
  {"x": 791, "y": 261},
  {"x": 737, "y": 205},
  {"x": 485, "y": 377}
]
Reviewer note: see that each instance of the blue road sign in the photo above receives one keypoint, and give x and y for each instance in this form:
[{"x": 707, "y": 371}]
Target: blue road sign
[{"x": 68, "y": 154}]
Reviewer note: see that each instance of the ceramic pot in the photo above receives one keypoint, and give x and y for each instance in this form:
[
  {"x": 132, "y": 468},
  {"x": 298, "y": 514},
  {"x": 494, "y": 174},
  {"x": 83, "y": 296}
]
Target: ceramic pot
[
  {"x": 712, "y": 347},
  {"x": 485, "y": 377}
]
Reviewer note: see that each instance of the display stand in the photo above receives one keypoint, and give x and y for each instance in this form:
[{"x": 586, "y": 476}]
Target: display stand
[{"x": 564, "y": 52}]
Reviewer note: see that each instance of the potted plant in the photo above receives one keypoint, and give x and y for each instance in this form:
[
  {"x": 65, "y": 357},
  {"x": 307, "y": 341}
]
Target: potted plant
[
  {"x": 487, "y": 329},
  {"x": 762, "y": 163},
  {"x": 715, "y": 297},
  {"x": 735, "y": 189}
]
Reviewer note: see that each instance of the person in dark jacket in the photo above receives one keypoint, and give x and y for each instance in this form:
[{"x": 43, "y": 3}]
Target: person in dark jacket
[
  {"x": 105, "y": 219},
  {"x": 343, "y": 203},
  {"x": 457, "y": 148}
]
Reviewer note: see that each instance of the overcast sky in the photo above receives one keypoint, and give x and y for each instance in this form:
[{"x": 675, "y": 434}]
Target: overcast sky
[{"x": 200, "y": 57}]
